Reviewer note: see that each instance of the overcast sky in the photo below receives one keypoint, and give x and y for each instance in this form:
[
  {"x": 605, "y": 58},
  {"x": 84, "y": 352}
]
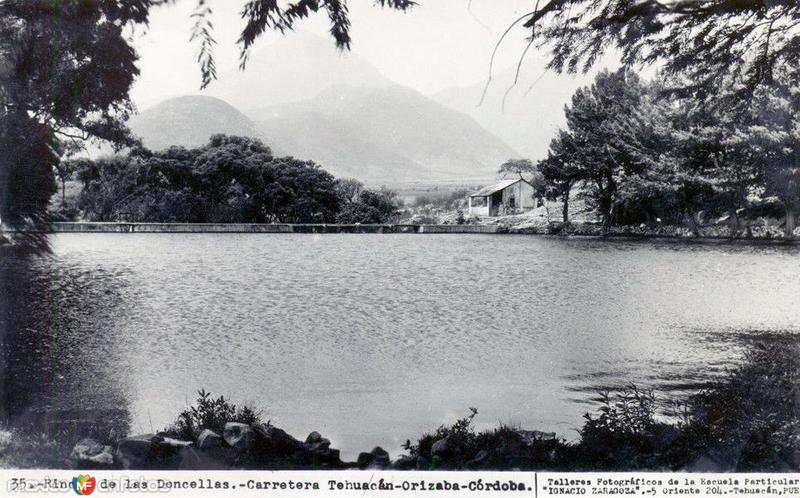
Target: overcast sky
[{"x": 436, "y": 45}]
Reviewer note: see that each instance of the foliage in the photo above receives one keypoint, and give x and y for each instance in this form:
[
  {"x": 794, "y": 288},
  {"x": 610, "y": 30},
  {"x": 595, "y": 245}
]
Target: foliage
[
  {"x": 625, "y": 433},
  {"x": 751, "y": 418},
  {"x": 210, "y": 413},
  {"x": 525, "y": 170},
  {"x": 639, "y": 155},
  {"x": 360, "y": 205},
  {"x": 706, "y": 42},
  {"x": 746, "y": 420},
  {"x": 231, "y": 179},
  {"x": 461, "y": 439},
  {"x": 65, "y": 71}
]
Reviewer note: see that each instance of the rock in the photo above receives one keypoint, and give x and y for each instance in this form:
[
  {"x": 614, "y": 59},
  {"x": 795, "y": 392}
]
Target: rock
[
  {"x": 276, "y": 448},
  {"x": 313, "y": 437},
  {"x": 321, "y": 452},
  {"x": 277, "y": 440},
  {"x": 222, "y": 458},
  {"x": 88, "y": 453},
  {"x": 423, "y": 464},
  {"x": 174, "y": 443},
  {"x": 405, "y": 462},
  {"x": 441, "y": 446},
  {"x": 135, "y": 452},
  {"x": 240, "y": 437},
  {"x": 380, "y": 458},
  {"x": 478, "y": 460},
  {"x": 209, "y": 440},
  {"x": 147, "y": 451},
  {"x": 364, "y": 460}
]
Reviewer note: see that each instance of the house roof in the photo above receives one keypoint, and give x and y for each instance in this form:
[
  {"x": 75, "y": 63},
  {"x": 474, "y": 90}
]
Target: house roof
[{"x": 491, "y": 189}]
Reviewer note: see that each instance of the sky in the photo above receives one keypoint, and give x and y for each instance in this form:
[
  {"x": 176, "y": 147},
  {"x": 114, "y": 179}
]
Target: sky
[{"x": 436, "y": 45}]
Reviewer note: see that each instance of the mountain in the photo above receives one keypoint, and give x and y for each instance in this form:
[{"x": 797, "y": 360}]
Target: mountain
[
  {"x": 534, "y": 107},
  {"x": 189, "y": 121},
  {"x": 292, "y": 68},
  {"x": 384, "y": 134}
]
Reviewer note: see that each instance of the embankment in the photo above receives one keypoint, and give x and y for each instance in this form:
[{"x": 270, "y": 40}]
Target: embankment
[{"x": 125, "y": 227}]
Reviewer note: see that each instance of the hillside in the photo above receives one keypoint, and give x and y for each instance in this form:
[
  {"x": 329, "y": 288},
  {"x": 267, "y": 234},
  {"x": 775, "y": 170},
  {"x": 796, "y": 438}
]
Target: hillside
[
  {"x": 383, "y": 134},
  {"x": 534, "y": 108},
  {"x": 189, "y": 121}
]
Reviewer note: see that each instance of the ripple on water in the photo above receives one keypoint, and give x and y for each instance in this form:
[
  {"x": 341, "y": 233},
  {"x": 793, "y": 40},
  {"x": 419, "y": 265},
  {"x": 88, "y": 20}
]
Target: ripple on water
[{"x": 373, "y": 339}]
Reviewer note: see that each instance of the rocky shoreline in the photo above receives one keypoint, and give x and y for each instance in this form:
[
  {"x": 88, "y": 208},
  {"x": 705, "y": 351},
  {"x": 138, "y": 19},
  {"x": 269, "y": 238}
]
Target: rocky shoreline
[{"x": 262, "y": 446}]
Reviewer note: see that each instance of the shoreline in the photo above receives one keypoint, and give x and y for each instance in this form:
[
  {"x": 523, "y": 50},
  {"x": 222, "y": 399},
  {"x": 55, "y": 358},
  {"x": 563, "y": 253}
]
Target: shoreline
[{"x": 589, "y": 231}]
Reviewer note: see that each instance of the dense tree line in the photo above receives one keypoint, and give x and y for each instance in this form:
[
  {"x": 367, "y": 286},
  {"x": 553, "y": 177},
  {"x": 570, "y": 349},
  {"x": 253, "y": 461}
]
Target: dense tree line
[
  {"x": 638, "y": 152},
  {"x": 229, "y": 180},
  {"x": 66, "y": 68}
]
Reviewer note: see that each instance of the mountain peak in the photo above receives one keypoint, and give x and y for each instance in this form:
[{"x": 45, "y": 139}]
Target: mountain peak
[{"x": 189, "y": 121}]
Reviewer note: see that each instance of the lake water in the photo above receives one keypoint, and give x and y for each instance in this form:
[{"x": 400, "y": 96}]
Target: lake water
[{"x": 373, "y": 339}]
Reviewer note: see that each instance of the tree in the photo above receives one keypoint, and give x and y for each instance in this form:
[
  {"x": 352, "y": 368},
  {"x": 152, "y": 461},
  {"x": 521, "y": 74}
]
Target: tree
[
  {"x": 525, "y": 170},
  {"x": 600, "y": 127},
  {"x": 771, "y": 131},
  {"x": 560, "y": 171},
  {"x": 348, "y": 189},
  {"x": 707, "y": 42},
  {"x": 65, "y": 170},
  {"x": 368, "y": 206},
  {"x": 263, "y": 15},
  {"x": 65, "y": 71},
  {"x": 229, "y": 180},
  {"x": 66, "y": 67}
]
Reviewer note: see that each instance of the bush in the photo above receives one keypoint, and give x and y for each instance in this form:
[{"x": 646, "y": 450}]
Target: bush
[
  {"x": 750, "y": 419},
  {"x": 625, "y": 433},
  {"x": 210, "y": 413}
]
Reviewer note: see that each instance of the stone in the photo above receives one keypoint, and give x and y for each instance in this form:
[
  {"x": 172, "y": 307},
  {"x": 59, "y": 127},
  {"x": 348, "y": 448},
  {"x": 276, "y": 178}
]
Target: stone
[
  {"x": 277, "y": 440},
  {"x": 364, "y": 459},
  {"x": 423, "y": 464},
  {"x": 441, "y": 446},
  {"x": 89, "y": 453},
  {"x": 478, "y": 460},
  {"x": 209, "y": 440},
  {"x": 240, "y": 437},
  {"x": 177, "y": 444},
  {"x": 380, "y": 458},
  {"x": 135, "y": 452},
  {"x": 313, "y": 437},
  {"x": 147, "y": 451},
  {"x": 405, "y": 462}
]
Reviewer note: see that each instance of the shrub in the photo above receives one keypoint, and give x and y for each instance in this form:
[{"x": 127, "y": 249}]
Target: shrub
[
  {"x": 624, "y": 434},
  {"x": 210, "y": 413},
  {"x": 750, "y": 418}
]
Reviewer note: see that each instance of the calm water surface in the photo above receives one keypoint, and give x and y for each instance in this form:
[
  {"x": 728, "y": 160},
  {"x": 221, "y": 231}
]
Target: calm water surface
[{"x": 373, "y": 339}]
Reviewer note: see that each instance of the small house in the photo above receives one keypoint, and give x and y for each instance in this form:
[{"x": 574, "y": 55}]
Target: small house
[{"x": 506, "y": 197}]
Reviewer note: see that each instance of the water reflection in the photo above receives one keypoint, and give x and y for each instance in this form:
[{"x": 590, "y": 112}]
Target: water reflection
[
  {"x": 57, "y": 379},
  {"x": 373, "y": 339}
]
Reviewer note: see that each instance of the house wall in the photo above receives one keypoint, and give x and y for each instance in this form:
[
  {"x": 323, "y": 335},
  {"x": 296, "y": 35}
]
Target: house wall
[{"x": 522, "y": 194}]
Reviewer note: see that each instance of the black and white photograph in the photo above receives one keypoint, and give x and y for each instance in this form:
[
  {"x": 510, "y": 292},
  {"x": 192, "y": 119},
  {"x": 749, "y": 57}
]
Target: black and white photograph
[{"x": 395, "y": 236}]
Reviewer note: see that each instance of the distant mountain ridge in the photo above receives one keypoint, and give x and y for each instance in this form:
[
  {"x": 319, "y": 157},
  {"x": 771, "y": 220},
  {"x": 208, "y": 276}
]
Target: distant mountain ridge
[
  {"x": 377, "y": 135},
  {"x": 189, "y": 121},
  {"x": 391, "y": 133},
  {"x": 533, "y": 110}
]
